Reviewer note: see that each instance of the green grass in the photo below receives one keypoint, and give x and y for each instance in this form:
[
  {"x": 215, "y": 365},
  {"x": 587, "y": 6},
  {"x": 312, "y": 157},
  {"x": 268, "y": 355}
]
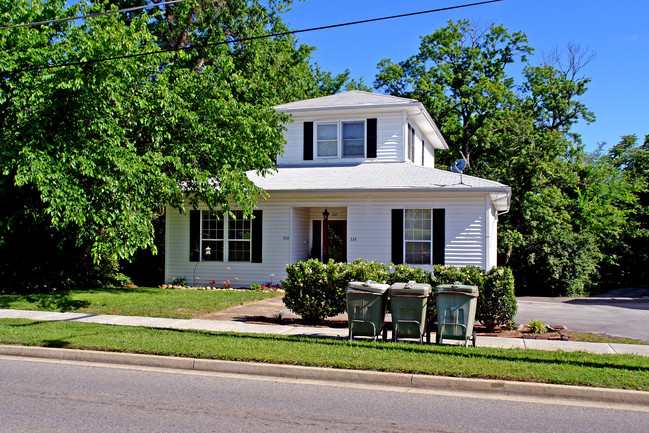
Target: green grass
[
  {"x": 140, "y": 301},
  {"x": 595, "y": 338},
  {"x": 572, "y": 368}
]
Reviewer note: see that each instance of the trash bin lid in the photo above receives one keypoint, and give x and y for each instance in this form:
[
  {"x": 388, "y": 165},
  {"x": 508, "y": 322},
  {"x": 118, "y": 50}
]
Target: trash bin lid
[
  {"x": 368, "y": 286},
  {"x": 457, "y": 288},
  {"x": 416, "y": 289}
]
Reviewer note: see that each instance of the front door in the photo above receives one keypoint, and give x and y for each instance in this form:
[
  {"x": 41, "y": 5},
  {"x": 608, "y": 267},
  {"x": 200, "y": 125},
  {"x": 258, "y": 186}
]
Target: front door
[{"x": 334, "y": 240}]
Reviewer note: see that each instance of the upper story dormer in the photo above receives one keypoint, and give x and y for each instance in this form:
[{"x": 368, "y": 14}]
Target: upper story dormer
[{"x": 359, "y": 127}]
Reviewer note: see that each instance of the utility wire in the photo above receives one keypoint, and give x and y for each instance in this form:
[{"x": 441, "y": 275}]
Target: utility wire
[
  {"x": 272, "y": 35},
  {"x": 98, "y": 14}
]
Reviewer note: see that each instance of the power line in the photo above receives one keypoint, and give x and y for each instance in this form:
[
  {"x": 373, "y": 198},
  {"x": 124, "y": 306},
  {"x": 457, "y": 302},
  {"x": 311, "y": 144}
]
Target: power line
[
  {"x": 251, "y": 38},
  {"x": 98, "y": 14}
]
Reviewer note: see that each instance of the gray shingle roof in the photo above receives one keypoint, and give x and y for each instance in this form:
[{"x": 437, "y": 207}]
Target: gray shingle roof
[
  {"x": 353, "y": 98},
  {"x": 377, "y": 177}
]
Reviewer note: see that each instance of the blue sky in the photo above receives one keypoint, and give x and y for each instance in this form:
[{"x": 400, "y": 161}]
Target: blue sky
[{"x": 616, "y": 31}]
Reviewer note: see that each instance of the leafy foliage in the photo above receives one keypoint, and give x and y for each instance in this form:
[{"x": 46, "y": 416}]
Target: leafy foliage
[
  {"x": 93, "y": 153},
  {"x": 569, "y": 210},
  {"x": 316, "y": 290},
  {"x": 497, "y": 301}
]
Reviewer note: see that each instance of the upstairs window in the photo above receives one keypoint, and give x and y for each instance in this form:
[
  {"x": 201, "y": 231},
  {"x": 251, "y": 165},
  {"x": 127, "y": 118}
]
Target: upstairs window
[
  {"x": 327, "y": 140},
  {"x": 353, "y": 139},
  {"x": 412, "y": 136},
  {"x": 340, "y": 139}
]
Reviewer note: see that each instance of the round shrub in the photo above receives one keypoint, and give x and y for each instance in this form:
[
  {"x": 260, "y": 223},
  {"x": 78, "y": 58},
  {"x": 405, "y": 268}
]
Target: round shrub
[
  {"x": 315, "y": 290},
  {"x": 497, "y": 301}
]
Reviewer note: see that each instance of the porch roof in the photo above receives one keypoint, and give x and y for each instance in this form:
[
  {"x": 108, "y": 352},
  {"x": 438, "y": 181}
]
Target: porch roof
[{"x": 378, "y": 177}]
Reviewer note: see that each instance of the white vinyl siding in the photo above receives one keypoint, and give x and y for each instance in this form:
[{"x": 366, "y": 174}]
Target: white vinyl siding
[
  {"x": 300, "y": 231},
  {"x": 389, "y": 139},
  {"x": 286, "y": 234}
]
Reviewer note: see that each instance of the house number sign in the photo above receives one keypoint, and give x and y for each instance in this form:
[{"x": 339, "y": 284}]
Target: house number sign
[{"x": 352, "y": 239}]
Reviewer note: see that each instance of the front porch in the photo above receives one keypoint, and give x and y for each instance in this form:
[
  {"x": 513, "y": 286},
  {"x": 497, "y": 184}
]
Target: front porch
[{"x": 319, "y": 232}]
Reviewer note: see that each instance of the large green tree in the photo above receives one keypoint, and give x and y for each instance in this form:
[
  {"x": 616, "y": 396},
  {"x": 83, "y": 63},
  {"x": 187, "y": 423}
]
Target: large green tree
[
  {"x": 93, "y": 150},
  {"x": 568, "y": 207},
  {"x": 460, "y": 76}
]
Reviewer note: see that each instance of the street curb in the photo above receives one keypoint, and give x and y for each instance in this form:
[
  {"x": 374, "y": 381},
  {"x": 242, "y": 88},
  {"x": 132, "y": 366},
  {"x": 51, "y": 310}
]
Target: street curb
[{"x": 403, "y": 380}]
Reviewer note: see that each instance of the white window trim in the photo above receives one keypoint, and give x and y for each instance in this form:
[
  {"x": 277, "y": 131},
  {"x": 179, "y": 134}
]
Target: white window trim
[
  {"x": 339, "y": 138},
  {"x": 430, "y": 241},
  {"x": 225, "y": 239}
]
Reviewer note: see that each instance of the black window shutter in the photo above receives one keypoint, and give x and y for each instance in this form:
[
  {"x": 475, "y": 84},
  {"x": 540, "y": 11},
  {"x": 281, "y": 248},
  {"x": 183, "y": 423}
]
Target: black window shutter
[
  {"x": 439, "y": 230},
  {"x": 423, "y": 151},
  {"x": 371, "y": 138},
  {"x": 308, "y": 141},
  {"x": 397, "y": 236},
  {"x": 256, "y": 236},
  {"x": 194, "y": 235}
]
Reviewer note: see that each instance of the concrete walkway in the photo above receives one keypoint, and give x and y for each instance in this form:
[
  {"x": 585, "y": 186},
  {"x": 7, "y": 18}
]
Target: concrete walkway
[{"x": 255, "y": 328}]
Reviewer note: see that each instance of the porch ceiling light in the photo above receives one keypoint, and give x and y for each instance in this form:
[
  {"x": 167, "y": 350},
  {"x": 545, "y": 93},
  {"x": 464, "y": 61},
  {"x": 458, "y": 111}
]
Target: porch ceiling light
[{"x": 325, "y": 215}]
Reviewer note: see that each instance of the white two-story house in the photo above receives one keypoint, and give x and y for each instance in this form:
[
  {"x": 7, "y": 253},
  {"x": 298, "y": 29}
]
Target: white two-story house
[{"x": 356, "y": 180}]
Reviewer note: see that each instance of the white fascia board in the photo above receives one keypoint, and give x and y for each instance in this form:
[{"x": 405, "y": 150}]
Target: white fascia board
[
  {"x": 366, "y": 107},
  {"x": 425, "y": 123},
  {"x": 496, "y": 195}
]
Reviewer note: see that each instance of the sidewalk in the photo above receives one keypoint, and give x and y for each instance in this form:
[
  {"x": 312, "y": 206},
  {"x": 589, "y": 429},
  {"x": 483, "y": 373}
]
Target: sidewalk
[{"x": 254, "y": 328}]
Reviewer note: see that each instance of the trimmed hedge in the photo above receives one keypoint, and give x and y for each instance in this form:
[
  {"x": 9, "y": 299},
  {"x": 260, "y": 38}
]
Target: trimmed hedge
[{"x": 316, "y": 290}]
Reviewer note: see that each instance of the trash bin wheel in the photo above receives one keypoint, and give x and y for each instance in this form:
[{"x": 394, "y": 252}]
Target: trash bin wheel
[{"x": 473, "y": 339}]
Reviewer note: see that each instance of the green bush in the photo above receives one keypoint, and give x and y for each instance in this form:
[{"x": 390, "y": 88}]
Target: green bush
[
  {"x": 561, "y": 263},
  {"x": 316, "y": 290},
  {"x": 497, "y": 301}
]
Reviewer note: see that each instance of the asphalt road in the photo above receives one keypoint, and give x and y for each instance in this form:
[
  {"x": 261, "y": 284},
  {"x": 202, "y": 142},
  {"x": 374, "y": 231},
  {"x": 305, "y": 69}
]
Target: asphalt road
[
  {"x": 46, "y": 396},
  {"x": 620, "y": 313}
]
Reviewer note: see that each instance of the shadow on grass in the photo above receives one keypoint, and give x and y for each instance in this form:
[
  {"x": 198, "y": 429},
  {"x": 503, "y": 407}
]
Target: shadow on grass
[
  {"x": 485, "y": 354},
  {"x": 55, "y": 343},
  {"x": 51, "y": 301},
  {"x": 579, "y": 359}
]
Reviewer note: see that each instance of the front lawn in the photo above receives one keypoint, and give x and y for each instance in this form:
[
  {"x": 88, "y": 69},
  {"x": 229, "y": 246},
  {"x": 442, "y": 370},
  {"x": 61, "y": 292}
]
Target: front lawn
[
  {"x": 139, "y": 301},
  {"x": 570, "y": 368}
]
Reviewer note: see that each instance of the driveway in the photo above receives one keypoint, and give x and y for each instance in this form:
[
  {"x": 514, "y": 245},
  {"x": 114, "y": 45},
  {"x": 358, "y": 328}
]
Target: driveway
[{"x": 619, "y": 313}]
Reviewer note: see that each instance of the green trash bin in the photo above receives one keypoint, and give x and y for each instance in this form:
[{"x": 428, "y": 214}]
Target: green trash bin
[
  {"x": 366, "y": 305},
  {"x": 409, "y": 305},
  {"x": 456, "y": 307}
]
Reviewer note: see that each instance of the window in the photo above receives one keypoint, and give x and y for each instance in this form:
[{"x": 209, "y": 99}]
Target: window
[
  {"x": 222, "y": 237},
  {"x": 412, "y": 136},
  {"x": 354, "y": 139},
  {"x": 346, "y": 139},
  {"x": 239, "y": 235},
  {"x": 418, "y": 236},
  {"x": 327, "y": 140},
  {"x": 211, "y": 236}
]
